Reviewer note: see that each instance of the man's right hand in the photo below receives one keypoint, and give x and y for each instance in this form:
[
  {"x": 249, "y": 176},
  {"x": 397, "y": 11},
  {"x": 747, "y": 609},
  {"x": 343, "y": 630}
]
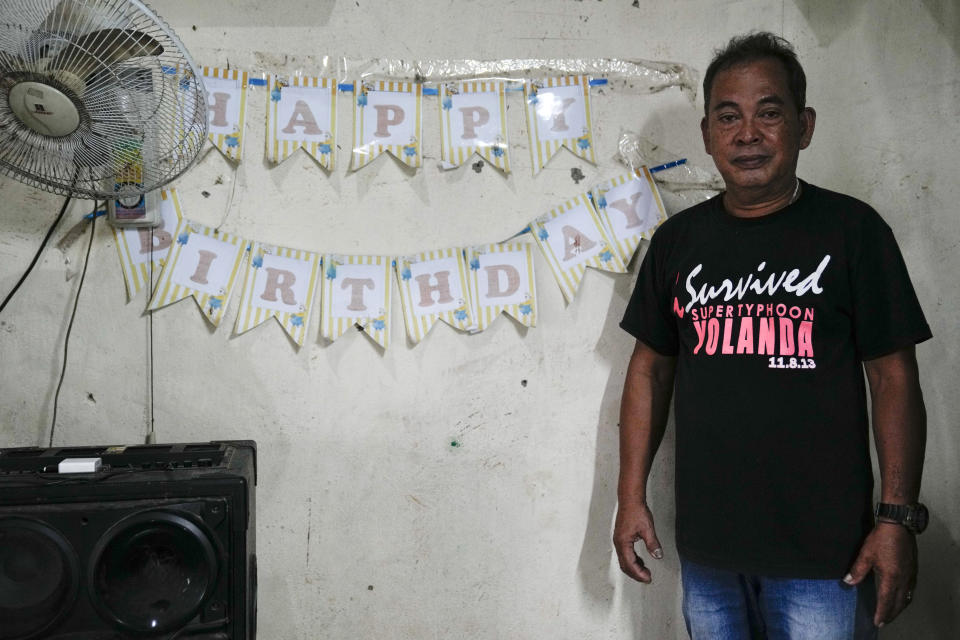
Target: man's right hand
[{"x": 635, "y": 522}]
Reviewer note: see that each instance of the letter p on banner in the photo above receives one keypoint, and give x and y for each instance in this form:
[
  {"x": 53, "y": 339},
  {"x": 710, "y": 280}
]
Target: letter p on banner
[{"x": 387, "y": 118}]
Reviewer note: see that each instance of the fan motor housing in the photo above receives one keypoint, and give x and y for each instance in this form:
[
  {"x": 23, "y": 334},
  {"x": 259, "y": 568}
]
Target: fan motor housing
[{"x": 44, "y": 109}]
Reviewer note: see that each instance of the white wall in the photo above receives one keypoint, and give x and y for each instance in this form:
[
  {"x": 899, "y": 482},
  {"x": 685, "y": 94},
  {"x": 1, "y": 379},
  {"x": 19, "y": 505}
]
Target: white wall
[{"x": 370, "y": 524}]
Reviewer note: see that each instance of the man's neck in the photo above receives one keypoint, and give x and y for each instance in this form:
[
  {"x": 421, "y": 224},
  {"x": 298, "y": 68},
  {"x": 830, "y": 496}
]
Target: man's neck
[{"x": 751, "y": 204}]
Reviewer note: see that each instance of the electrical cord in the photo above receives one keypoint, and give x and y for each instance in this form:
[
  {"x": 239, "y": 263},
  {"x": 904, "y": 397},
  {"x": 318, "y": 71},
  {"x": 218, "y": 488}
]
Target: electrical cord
[
  {"x": 36, "y": 257},
  {"x": 73, "y": 315}
]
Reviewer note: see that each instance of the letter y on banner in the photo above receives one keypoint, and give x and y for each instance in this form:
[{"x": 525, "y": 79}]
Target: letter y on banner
[
  {"x": 473, "y": 117},
  {"x": 558, "y": 115},
  {"x": 387, "y": 117},
  {"x": 630, "y": 206},
  {"x": 226, "y": 108},
  {"x": 302, "y": 114},
  {"x": 204, "y": 264},
  {"x": 572, "y": 238},
  {"x": 139, "y": 246},
  {"x": 434, "y": 286},
  {"x": 280, "y": 283},
  {"x": 356, "y": 293}
]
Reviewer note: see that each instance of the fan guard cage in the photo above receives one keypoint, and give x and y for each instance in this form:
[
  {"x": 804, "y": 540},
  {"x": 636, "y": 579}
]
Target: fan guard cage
[{"x": 142, "y": 119}]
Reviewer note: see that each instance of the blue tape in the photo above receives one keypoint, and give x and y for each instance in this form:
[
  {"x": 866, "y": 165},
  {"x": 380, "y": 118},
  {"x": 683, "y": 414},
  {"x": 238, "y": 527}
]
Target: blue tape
[
  {"x": 257, "y": 82},
  {"x": 169, "y": 70},
  {"x": 345, "y": 86},
  {"x": 595, "y": 82},
  {"x": 95, "y": 214},
  {"x": 430, "y": 91},
  {"x": 668, "y": 165}
]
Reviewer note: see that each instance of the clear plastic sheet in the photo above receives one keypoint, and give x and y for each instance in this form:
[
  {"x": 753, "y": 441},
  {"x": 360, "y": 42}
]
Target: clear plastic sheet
[
  {"x": 686, "y": 184},
  {"x": 649, "y": 77}
]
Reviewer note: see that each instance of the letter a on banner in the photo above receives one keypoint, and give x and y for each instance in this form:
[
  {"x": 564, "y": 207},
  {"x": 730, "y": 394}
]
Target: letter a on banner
[
  {"x": 558, "y": 115},
  {"x": 204, "y": 264},
  {"x": 502, "y": 279},
  {"x": 434, "y": 286},
  {"x": 387, "y": 117},
  {"x": 280, "y": 283},
  {"x": 356, "y": 293},
  {"x": 226, "y": 108},
  {"x": 473, "y": 118},
  {"x": 139, "y": 246},
  {"x": 302, "y": 114},
  {"x": 630, "y": 206},
  {"x": 572, "y": 238}
]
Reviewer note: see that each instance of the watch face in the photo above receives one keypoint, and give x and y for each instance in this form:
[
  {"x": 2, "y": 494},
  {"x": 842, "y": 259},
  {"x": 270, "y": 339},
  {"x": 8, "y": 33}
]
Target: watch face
[{"x": 918, "y": 518}]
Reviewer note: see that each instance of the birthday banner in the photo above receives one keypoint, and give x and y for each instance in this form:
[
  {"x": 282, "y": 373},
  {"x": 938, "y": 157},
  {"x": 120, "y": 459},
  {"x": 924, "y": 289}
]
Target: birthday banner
[
  {"x": 631, "y": 208},
  {"x": 226, "y": 109},
  {"x": 387, "y": 118},
  {"x": 203, "y": 263},
  {"x": 473, "y": 119},
  {"x": 558, "y": 115},
  {"x": 356, "y": 293},
  {"x": 502, "y": 281},
  {"x": 433, "y": 286},
  {"x": 280, "y": 283},
  {"x": 302, "y": 114},
  {"x": 143, "y": 249}
]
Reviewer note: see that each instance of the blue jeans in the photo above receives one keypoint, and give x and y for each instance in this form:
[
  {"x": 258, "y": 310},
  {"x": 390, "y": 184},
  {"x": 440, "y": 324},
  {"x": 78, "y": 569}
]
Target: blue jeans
[{"x": 725, "y": 605}]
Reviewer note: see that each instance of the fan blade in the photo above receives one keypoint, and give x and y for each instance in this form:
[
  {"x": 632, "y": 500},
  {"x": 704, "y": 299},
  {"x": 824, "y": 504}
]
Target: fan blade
[
  {"x": 72, "y": 18},
  {"x": 103, "y": 48}
]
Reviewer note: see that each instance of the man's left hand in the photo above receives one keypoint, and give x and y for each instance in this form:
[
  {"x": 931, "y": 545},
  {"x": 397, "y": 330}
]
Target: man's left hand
[{"x": 891, "y": 552}]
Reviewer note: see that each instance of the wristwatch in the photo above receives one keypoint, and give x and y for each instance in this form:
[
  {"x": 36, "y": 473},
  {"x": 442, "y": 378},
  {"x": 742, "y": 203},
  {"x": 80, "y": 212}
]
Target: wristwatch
[{"x": 912, "y": 516}]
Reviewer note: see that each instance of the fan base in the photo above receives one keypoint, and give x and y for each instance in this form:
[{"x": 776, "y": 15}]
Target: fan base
[{"x": 44, "y": 109}]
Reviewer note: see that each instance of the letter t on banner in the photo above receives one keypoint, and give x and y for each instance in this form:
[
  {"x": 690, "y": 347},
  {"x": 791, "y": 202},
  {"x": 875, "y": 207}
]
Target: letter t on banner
[
  {"x": 387, "y": 117},
  {"x": 558, "y": 115},
  {"x": 356, "y": 293}
]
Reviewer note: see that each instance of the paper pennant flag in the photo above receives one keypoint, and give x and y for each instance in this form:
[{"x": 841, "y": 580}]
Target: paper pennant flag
[
  {"x": 572, "y": 238},
  {"x": 204, "y": 264},
  {"x": 502, "y": 280},
  {"x": 433, "y": 286},
  {"x": 280, "y": 283},
  {"x": 226, "y": 107},
  {"x": 134, "y": 244},
  {"x": 473, "y": 117},
  {"x": 387, "y": 117},
  {"x": 558, "y": 115},
  {"x": 302, "y": 114},
  {"x": 631, "y": 208},
  {"x": 356, "y": 293}
]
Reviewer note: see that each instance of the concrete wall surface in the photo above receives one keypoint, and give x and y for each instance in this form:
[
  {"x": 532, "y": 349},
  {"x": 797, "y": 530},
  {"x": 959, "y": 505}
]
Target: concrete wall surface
[{"x": 464, "y": 487}]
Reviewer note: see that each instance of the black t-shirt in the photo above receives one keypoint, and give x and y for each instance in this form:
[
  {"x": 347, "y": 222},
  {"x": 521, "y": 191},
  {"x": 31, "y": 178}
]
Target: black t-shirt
[{"x": 770, "y": 319}]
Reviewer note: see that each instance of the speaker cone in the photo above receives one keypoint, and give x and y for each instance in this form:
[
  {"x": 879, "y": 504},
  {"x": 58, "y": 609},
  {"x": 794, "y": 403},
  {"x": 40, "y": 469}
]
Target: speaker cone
[
  {"x": 39, "y": 578},
  {"x": 152, "y": 572}
]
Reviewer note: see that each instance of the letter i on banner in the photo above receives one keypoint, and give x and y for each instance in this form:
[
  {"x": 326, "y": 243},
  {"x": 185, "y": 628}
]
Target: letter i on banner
[
  {"x": 302, "y": 114},
  {"x": 387, "y": 118},
  {"x": 572, "y": 238},
  {"x": 226, "y": 108},
  {"x": 280, "y": 283},
  {"x": 502, "y": 279},
  {"x": 434, "y": 286},
  {"x": 139, "y": 246},
  {"x": 558, "y": 115},
  {"x": 473, "y": 118},
  {"x": 203, "y": 263},
  {"x": 631, "y": 207},
  {"x": 356, "y": 293}
]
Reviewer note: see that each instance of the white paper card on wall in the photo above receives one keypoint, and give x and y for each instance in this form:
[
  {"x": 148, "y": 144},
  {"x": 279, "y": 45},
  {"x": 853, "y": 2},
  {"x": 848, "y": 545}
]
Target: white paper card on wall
[
  {"x": 631, "y": 207},
  {"x": 134, "y": 245},
  {"x": 558, "y": 115},
  {"x": 226, "y": 109},
  {"x": 473, "y": 120},
  {"x": 301, "y": 114},
  {"x": 434, "y": 286},
  {"x": 356, "y": 293},
  {"x": 572, "y": 238},
  {"x": 387, "y": 118},
  {"x": 502, "y": 280},
  {"x": 204, "y": 264},
  {"x": 280, "y": 283}
]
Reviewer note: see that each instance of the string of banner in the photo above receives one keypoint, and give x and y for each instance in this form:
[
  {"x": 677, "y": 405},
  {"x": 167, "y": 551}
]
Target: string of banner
[{"x": 467, "y": 288}]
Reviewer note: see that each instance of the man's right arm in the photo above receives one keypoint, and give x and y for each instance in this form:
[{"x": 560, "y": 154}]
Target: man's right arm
[{"x": 644, "y": 407}]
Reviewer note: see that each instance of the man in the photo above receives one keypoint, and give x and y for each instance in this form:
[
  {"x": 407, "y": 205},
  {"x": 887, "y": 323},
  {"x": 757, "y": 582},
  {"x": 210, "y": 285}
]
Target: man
[{"x": 759, "y": 310}]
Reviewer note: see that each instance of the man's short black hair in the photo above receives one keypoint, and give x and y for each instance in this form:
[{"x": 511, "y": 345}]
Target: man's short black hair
[{"x": 758, "y": 45}]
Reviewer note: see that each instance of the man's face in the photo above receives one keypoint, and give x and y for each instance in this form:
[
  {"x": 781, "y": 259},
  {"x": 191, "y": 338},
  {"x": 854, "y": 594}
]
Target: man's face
[{"x": 752, "y": 127}]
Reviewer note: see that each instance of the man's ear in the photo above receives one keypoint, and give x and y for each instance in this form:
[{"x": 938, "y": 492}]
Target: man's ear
[
  {"x": 705, "y": 132},
  {"x": 808, "y": 122}
]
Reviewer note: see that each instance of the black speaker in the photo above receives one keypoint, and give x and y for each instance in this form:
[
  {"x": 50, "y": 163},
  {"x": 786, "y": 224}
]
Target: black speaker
[{"x": 152, "y": 541}]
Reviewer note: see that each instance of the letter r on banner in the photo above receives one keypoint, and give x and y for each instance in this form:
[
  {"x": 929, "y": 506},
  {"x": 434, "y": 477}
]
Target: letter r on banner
[{"x": 279, "y": 280}]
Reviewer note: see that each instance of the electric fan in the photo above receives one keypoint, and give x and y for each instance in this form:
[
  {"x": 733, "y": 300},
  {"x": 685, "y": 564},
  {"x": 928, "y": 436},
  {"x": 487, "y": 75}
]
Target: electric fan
[{"x": 98, "y": 98}]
